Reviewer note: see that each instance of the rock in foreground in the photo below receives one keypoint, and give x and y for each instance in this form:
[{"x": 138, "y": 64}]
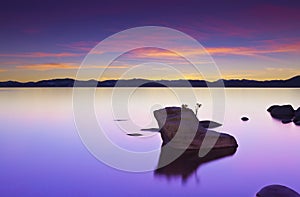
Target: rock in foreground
[
  {"x": 181, "y": 129},
  {"x": 277, "y": 191}
]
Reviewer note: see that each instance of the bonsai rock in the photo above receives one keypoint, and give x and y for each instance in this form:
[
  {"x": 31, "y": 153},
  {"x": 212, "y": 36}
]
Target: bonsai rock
[{"x": 181, "y": 128}]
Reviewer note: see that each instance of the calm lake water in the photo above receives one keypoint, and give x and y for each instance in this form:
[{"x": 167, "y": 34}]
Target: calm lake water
[{"x": 43, "y": 155}]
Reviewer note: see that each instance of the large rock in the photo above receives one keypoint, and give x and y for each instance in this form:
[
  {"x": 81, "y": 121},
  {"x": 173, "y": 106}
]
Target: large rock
[
  {"x": 282, "y": 112},
  {"x": 277, "y": 191},
  {"x": 181, "y": 128}
]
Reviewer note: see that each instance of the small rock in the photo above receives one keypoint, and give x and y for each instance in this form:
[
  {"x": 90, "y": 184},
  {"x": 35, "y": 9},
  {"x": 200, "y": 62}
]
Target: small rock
[
  {"x": 121, "y": 120},
  {"x": 134, "y": 134},
  {"x": 244, "y": 118},
  {"x": 151, "y": 129},
  {"x": 277, "y": 191}
]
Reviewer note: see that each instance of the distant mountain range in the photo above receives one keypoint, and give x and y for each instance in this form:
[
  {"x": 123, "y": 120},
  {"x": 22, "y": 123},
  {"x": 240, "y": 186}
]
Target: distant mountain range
[{"x": 289, "y": 83}]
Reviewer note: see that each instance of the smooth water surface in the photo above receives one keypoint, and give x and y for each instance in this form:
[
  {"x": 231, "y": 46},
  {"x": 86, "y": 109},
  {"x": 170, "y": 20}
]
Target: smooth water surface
[{"x": 43, "y": 155}]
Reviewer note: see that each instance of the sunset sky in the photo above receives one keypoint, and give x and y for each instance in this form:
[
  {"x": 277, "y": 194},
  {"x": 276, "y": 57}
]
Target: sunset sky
[{"x": 247, "y": 39}]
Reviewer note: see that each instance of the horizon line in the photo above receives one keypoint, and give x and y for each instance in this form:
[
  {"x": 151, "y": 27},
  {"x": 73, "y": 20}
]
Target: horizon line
[{"x": 148, "y": 79}]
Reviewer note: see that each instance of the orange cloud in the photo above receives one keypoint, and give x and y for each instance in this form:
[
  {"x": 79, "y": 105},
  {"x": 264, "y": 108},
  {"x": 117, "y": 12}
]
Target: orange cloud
[
  {"x": 116, "y": 67},
  {"x": 2, "y": 70},
  {"x": 248, "y": 51},
  {"x": 48, "y": 66},
  {"x": 54, "y": 66},
  {"x": 40, "y": 55},
  {"x": 243, "y": 51}
]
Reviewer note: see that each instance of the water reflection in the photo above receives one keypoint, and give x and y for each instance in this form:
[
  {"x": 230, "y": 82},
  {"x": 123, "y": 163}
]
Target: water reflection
[{"x": 187, "y": 164}]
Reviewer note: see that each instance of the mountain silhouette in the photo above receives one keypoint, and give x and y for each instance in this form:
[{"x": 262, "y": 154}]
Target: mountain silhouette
[{"x": 67, "y": 82}]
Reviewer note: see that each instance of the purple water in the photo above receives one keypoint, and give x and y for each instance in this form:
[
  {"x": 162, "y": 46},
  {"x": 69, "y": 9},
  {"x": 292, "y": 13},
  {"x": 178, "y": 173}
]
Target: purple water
[{"x": 43, "y": 155}]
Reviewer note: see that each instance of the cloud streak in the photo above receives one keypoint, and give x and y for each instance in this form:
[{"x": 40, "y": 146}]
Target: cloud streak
[
  {"x": 263, "y": 49},
  {"x": 41, "y": 55},
  {"x": 65, "y": 66},
  {"x": 48, "y": 66},
  {"x": 239, "y": 51}
]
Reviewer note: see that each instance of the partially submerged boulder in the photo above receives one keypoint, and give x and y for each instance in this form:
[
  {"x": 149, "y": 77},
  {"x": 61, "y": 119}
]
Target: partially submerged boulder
[
  {"x": 277, "y": 191},
  {"x": 282, "y": 112},
  {"x": 181, "y": 128},
  {"x": 285, "y": 113}
]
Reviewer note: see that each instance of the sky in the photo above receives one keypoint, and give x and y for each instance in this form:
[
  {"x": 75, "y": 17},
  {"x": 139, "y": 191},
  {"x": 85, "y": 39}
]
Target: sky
[{"x": 246, "y": 39}]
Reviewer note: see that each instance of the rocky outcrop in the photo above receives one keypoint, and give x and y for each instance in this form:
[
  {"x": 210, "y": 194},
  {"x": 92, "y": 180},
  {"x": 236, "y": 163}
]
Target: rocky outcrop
[
  {"x": 282, "y": 112},
  {"x": 277, "y": 191},
  {"x": 285, "y": 113},
  {"x": 181, "y": 129}
]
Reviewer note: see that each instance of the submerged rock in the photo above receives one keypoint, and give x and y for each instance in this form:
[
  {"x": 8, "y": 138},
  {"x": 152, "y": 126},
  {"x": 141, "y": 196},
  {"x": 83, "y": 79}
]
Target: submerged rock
[
  {"x": 282, "y": 112},
  {"x": 134, "y": 134},
  {"x": 277, "y": 191},
  {"x": 151, "y": 129},
  {"x": 181, "y": 128}
]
